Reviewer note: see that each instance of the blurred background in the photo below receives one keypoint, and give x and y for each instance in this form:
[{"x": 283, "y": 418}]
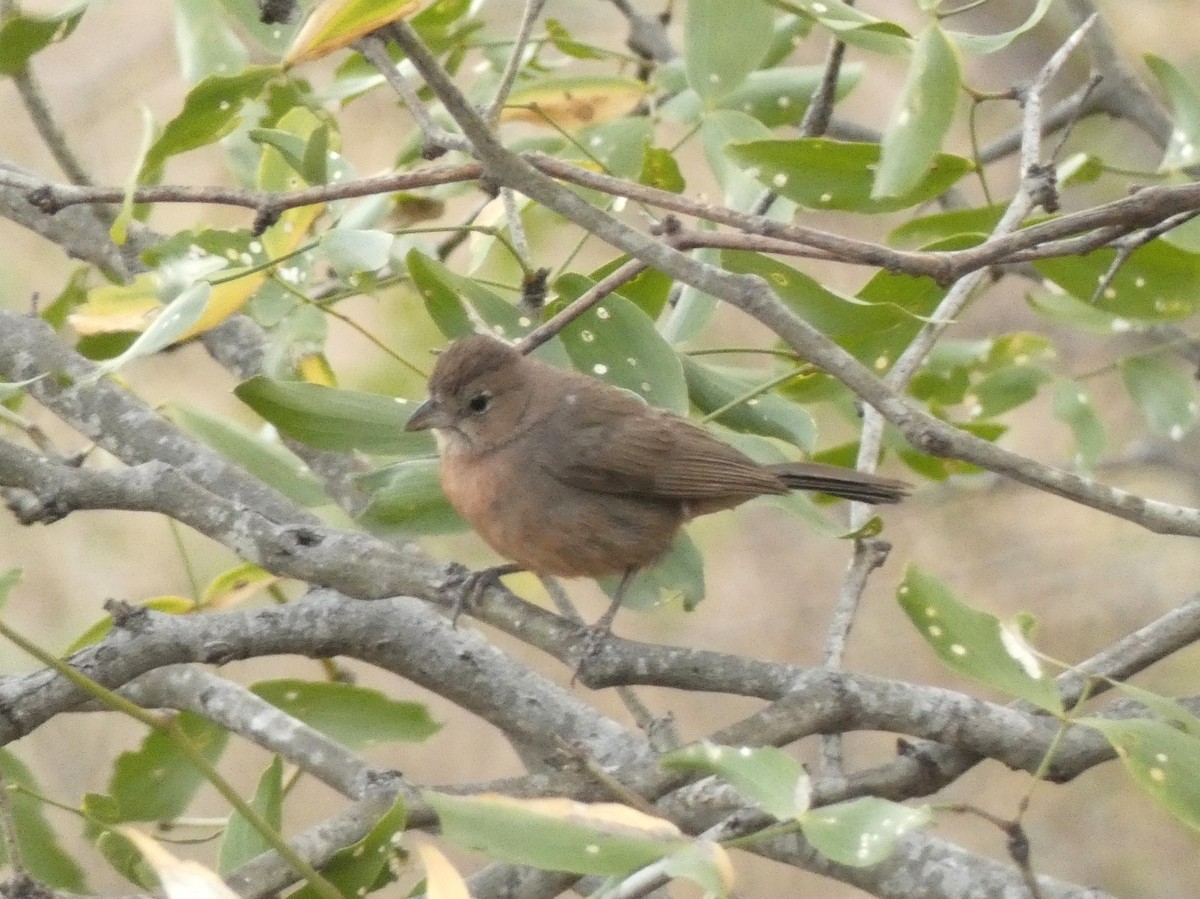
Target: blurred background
[{"x": 1087, "y": 577}]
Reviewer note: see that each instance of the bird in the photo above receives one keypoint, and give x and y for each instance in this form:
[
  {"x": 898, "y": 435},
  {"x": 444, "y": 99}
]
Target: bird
[{"x": 566, "y": 475}]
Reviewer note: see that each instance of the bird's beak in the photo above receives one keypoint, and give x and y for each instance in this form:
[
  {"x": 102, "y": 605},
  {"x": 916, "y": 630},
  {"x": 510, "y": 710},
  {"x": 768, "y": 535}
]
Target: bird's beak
[{"x": 427, "y": 415}]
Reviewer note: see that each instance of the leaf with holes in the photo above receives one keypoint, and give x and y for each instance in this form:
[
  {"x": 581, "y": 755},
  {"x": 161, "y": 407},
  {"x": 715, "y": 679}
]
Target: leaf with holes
[
  {"x": 157, "y": 782},
  {"x": 975, "y": 643},
  {"x": 557, "y": 834},
  {"x": 712, "y": 387},
  {"x": 818, "y": 173},
  {"x": 863, "y": 831},
  {"x": 766, "y": 775},
  {"x": 617, "y": 342},
  {"x": 724, "y": 44},
  {"x": 1166, "y": 396},
  {"x": 1185, "y": 104},
  {"x": 1156, "y": 282},
  {"x": 1162, "y": 760},
  {"x": 363, "y": 867},
  {"x": 914, "y": 137},
  {"x": 357, "y": 717},
  {"x": 1074, "y": 407}
]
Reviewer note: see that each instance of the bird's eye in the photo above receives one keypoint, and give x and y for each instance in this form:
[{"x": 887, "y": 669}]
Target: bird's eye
[{"x": 479, "y": 402}]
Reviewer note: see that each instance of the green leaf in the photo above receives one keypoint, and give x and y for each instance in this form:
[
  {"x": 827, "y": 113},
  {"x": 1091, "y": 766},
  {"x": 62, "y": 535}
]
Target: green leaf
[
  {"x": 1004, "y": 389},
  {"x": 564, "y": 43},
  {"x": 712, "y": 387},
  {"x": 1156, "y": 282},
  {"x": 1185, "y": 104},
  {"x": 211, "y": 110},
  {"x": 818, "y": 173},
  {"x": 989, "y": 43},
  {"x": 1073, "y": 406},
  {"x": 1166, "y": 396},
  {"x": 975, "y": 643},
  {"x": 874, "y": 326},
  {"x": 693, "y": 309},
  {"x": 242, "y": 841},
  {"x": 863, "y": 831},
  {"x": 42, "y": 856},
  {"x": 1169, "y": 710},
  {"x": 407, "y": 498},
  {"x": 1162, "y": 760},
  {"x": 719, "y": 129},
  {"x": 22, "y": 36},
  {"x": 780, "y": 96},
  {"x": 331, "y": 419},
  {"x": 766, "y": 775},
  {"x": 168, "y": 326},
  {"x": 723, "y": 44},
  {"x": 679, "y": 575},
  {"x": 356, "y": 717},
  {"x": 9, "y": 578},
  {"x": 705, "y": 863},
  {"x": 363, "y": 868},
  {"x": 266, "y": 460},
  {"x": 913, "y": 139},
  {"x": 274, "y": 38},
  {"x": 856, "y": 28},
  {"x": 314, "y": 166},
  {"x": 442, "y": 301},
  {"x": 975, "y": 221},
  {"x": 352, "y": 251},
  {"x": 659, "y": 169},
  {"x": 557, "y": 834},
  {"x": 1064, "y": 309},
  {"x": 157, "y": 782},
  {"x": 448, "y": 295},
  {"x": 616, "y": 342},
  {"x": 207, "y": 45},
  {"x": 649, "y": 290}
]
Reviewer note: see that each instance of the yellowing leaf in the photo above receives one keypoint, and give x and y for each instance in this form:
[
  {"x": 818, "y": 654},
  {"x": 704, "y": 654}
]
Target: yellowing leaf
[
  {"x": 442, "y": 881},
  {"x": 339, "y": 23},
  {"x": 235, "y": 586},
  {"x": 180, "y": 879},
  {"x": 315, "y": 369},
  {"x": 112, "y": 308},
  {"x": 573, "y": 103}
]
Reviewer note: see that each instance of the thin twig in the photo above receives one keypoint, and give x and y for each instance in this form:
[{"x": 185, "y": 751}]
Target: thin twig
[
  {"x": 374, "y": 50},
  {"x": 602, "y": 288},
  {"x": 533, "y": 9}
]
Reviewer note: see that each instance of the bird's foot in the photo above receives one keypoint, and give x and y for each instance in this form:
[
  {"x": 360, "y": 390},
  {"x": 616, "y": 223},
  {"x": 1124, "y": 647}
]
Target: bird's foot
[
  {"x": 594, "y": 638},
  {"x": 469, "y": 586}
]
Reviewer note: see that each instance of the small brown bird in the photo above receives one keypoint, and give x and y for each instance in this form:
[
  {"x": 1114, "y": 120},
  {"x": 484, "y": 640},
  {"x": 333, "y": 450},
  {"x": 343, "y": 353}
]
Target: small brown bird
[{"x": 569, "y": 476}]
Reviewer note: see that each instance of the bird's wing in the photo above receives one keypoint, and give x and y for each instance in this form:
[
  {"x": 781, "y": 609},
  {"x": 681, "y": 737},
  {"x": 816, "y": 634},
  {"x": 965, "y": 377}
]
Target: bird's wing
[{"x": 615, "y": 444}]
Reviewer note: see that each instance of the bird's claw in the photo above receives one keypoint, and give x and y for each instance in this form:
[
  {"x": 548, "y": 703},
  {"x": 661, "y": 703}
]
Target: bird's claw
[
  {"x": 469, "y": 586},
  {"x": 594, "y": 638}
]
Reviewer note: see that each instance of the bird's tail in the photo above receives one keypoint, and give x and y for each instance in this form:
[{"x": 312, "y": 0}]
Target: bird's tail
[{"x": 841, "y": 482}]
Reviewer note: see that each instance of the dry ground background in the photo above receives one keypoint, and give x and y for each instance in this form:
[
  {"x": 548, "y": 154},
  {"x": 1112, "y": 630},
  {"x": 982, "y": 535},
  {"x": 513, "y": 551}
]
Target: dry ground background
[{"x": 1088, "y": 578}]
